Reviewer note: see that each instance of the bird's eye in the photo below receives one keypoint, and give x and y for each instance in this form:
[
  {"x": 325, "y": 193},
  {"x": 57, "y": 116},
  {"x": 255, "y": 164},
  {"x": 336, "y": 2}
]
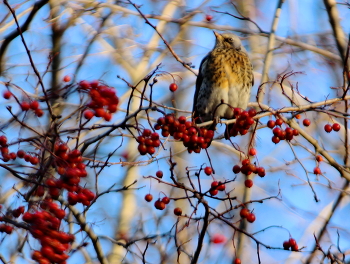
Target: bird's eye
[{"x": 230, "y": 40}]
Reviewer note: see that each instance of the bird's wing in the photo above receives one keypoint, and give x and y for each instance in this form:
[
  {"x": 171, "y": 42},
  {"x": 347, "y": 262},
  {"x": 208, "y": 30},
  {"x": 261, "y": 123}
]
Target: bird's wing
[{"x": 198, "y": 85}]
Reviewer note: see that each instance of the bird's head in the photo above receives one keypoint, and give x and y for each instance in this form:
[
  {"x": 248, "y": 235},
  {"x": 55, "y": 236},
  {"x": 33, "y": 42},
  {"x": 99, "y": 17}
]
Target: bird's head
[{"x": 228, "y": 40}]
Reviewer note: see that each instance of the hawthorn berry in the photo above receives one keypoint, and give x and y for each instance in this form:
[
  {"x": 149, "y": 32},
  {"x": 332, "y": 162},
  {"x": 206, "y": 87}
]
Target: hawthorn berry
[
  {"x": 286, "y": 245},
  {"x": 306, "y": 122},
  {"x": 173, "y": 87},
  {"x": 244, "y": 212},
  {"x": 252, "y": 152},
  {"x": 236, "y": 169},
  {"x": 319, "y": 158},
  {"x": 25, "y": 106},
  {"x": 317, "y": 170},
  {"x": 159, "y": 205},
  {"x": 7, "y": 95},
  {"x": 34, "y": 105},
  {"x": 66, "y": 78},
  {"x": 166, "y": 200},
  {"x": 149, "y": 197},
  {"x": 261, "y": 171},
  {"x": 279, "y": 122},
  {"x": 237, "y": 261},
  {"x": 328, "y": 128},
  {"x": 208, "y": 18},
  {"x": 295, "y": 247},
  {"x": 221, "y": 187},
  {"x": 178, "y": 211},
  {"x": 292, "y": 242},
  {"x": 275, "y": 139},
  {"x": 218, "y": 239},
  {"x": 336, "y": 127},
  {"x": 159, "y": 174},
  {"x": 248, "y": 183},
  {"x": 251, "y": 218},
  {"x": 271, "y": 124},
  {"x": 208, "y": 170}
]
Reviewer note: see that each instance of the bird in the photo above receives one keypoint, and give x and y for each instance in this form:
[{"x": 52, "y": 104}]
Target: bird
[{"x": 224, "y": 81}]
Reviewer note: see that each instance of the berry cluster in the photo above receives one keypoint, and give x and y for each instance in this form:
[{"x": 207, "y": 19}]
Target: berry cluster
[
  {"x": 44, "y": 226},
  {"x": 81, "y": 195},
  {"x": 6, "y": 155},
  {"x": 160, "y": 204},
  {"x": 4, "y": 228},
  {"x": 192, "y": 137},
  {"x": 279, "y": 133},
  {"x": 245, "y": 213},
  {"x": 292, "y": 244},
  {"x": 216, "y": 187},
  {"x": 104, "y": 101},
  {"x": 248, "y": 168},
  {"x": 244, "y": 120},
  {"x": 328, "y": 127},
  {"x": 33, "y": 105},
  {"x": 34, "y": 160},
  {"x": 148, "y": 141}
]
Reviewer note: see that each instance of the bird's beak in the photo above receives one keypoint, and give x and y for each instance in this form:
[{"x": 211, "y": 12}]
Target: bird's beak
[{"x": 216, "y": 34}]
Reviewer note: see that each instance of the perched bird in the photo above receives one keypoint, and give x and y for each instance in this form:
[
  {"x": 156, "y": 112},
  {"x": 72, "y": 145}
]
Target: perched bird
[{"x": 224, "y": 80}]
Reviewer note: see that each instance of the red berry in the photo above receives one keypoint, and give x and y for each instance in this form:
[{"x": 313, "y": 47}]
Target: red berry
[
  {"x": 25, "y": 106},
  {"x": 182, "y": 119},
  {"x": 292, "y": 242},
  {"x": 306, "y": 122},
  {"x": 237, "y": 261},
  {"x": 178, "y": 211},
  {"x": 251, "y": 218},
  {"x": 336, "y": 127},
  {"x": 279, "y": 122},
  {"x": 159, "y": 174},
  {"x": 85, "y": 85},
  {"x": 208, "y": 170},
  {"x": 149, "y": 197},
  {"x": 208, "y": 18},
  {"x": 218, "y": 239},
  {"x": 221, "y": 187},
  {"x": 245, "y": 162},
  {"x": 213, "y": 192},
  {"x": 317, "y": 170},
  {"x": 295, "y": 247},
  {"x": 286, "y": 245},
  {"x": 173, "y": 87},
  {"x": 252, "y": 112},
  {"x": 261, "y": 171},
  {"x": 107, "y": 117},
  {"x": 244, "y": 212},
  {"x": 295, "y": 132},
  {"x": 328, "y": 128},
  {"x": 166, "y": 200},
  {"x": 275, "y": 139},
  {"x": 319, "y": 158},
  {"x": 3, "y": 140},
  {"x": 248, "y": 183},
  {"x": 252, "y": 152},
  {"x": 7, "y": 95},
  {"x": 271, "y": 124},
  {"x": 66, "y": 78},
  {"x": 34, "y": 105},
  {"x": 276, "y": 131},
  {"x": 159, "y": 205},
  {"x": 236, "y": 169}
]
